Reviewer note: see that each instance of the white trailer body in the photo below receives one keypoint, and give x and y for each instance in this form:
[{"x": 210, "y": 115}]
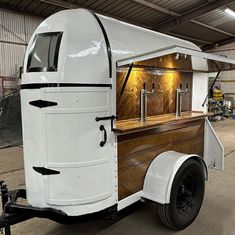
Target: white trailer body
[
  {"x": 69, "y": 79},
  {"x": 66, "y": 137}
]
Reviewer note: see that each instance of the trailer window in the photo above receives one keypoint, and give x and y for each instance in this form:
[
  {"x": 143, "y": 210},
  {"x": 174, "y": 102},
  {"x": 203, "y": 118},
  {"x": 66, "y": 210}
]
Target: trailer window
[{"x": 44, "y": 53}]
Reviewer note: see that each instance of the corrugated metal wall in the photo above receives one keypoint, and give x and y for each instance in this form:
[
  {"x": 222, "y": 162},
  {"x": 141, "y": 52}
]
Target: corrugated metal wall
[{"x": 15, "y": 32}]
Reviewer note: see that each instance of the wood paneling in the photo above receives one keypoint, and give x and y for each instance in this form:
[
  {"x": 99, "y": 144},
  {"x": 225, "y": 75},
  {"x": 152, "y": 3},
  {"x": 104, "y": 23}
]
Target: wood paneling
[
  {"x": 172, "y": 61},
  {"x": 166, "y": 83},
  {"x": 137, "y": 150}
]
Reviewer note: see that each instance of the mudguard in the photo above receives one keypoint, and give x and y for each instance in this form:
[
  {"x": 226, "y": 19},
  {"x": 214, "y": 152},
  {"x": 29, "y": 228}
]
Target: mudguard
[{"x": 161, "y": 173}]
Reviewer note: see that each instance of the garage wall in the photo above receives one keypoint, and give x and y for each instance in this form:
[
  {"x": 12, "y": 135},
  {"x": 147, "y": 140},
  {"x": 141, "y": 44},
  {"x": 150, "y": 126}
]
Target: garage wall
[
  {"x": 227, "y": 78},
  {"x": 15, "y": 32}
]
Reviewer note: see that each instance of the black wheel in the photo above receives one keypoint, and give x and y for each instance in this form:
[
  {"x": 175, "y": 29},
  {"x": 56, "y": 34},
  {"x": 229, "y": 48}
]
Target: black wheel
[{"x": 186, "y": 196}]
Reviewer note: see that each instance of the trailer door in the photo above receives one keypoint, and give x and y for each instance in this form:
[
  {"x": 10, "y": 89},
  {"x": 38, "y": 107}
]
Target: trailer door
[{"x": 72, "y": 145}]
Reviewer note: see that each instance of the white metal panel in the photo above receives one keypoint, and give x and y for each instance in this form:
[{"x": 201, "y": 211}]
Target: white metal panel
[
  {"x": 74, "y": 148},
  {"x": 33, "y": 149},
  {"x": 83, "y": 54},
  {"x": 200, "y": 84},
  {"x": 81, "y": 185},
  {"x": 83, "y": 46},
  {"x": 86, "y": 99},
  {"x": 130, "y": 200},
  {"x": 82, "y": 59},
  {"x": 199, "y": 63},
  {"x": 213, "y": 148},
  {"x": 161, "y": 173},
  {"x": 199, "y": 91},
  {"x": 69, "y": 142},
  {"x": 128, "y": 40},
  {"x": 171, "y": 50}
]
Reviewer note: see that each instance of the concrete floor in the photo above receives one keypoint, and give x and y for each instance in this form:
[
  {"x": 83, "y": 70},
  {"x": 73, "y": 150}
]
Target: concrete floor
[{"x": 217, "y": 215}]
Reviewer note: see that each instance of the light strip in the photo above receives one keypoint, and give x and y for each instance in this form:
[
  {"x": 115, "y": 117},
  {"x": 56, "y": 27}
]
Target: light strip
[{"x": 229, "y": 11}]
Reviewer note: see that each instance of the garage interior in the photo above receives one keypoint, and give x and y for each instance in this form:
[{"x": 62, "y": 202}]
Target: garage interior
[{"x": 208, "y": 24}]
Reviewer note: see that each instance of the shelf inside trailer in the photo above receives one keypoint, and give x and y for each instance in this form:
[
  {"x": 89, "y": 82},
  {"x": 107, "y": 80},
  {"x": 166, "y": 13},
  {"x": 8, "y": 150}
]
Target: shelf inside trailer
[{"x": 134, "y": 125}]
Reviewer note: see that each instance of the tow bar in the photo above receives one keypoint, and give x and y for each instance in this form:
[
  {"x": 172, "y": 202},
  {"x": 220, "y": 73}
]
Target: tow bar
[{"x": 14, "y": 213}]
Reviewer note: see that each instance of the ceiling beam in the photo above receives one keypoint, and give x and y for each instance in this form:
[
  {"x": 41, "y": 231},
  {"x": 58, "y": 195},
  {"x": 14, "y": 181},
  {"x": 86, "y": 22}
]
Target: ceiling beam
[
  {"x": 156, "y": 7},
  {"x": 10, "y": 9},
  {"x": 212, "y": 28},
  {"x": 226, "y": 41},
  {"x": 62, "y": 3},
  {"x": 174, "y": 14},
  {"x": 218, "y": 44},
  {"x": 68, "y": 5},
  {"x": 190, "y": 38},
  {"x": 180, "y": 20}
]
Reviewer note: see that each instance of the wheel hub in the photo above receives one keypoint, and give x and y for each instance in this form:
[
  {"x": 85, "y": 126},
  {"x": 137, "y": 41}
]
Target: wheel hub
[{"x": 185, "y": 195}]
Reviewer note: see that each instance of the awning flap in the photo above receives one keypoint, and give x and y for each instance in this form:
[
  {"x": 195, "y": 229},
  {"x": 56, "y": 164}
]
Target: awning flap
[{"x": 214, "y": 61}]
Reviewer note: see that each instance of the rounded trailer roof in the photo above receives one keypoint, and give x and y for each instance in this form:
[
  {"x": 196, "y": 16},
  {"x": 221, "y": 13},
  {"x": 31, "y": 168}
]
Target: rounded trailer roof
[{"x": 83, "y": 56}]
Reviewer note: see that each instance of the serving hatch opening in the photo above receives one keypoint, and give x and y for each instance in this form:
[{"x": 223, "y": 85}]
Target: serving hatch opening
[{"x": 169, "y": 67}]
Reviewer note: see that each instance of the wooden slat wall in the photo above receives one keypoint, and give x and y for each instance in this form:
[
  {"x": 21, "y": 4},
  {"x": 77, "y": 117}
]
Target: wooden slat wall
[
  {"x": 137, "y": 150},
  {"x": 172, "y": 61},
  {"x": 128, "y": 106}
]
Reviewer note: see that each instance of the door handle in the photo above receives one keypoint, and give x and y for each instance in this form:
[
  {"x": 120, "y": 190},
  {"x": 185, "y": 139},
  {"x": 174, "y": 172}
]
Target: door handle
[
  {"x": 103, "y": 142},
  {"x": 106, "y": 118}
]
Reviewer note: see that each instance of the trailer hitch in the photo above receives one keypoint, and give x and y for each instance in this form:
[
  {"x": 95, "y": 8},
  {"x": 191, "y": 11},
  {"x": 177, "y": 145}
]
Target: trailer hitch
[
  {"x": 5, "y": 228},
  {"x": 14, "y": 213}
]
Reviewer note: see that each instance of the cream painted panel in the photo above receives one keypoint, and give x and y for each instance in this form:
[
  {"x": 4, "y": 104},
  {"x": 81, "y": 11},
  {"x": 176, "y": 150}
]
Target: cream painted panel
[
  {"x": 34, "y": 151},
  {"x": 89, "y": 184},
  {"x": 74, "y": 137},
  {"x": 200, "y": 84},
  {"x": 82, "y": 98}
]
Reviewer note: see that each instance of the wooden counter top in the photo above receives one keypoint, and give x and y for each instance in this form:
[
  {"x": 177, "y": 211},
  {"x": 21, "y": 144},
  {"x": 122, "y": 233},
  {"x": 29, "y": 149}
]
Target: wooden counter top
[{"x": 134, "y": 125}]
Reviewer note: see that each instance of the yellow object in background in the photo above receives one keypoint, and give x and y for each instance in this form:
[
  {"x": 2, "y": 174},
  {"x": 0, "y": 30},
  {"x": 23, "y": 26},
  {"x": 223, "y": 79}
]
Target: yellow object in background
[{"x": 217, "y": 94}]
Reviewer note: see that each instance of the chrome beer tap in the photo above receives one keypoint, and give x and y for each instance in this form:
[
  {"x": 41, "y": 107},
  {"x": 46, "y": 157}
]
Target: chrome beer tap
[
  {"x": 178, "y": 103},
  {"x": 143, "y": 101}
]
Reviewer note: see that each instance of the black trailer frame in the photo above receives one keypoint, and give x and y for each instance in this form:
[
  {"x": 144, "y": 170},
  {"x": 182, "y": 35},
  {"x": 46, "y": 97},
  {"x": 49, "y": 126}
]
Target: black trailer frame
[{"x": 14, "y": 213}]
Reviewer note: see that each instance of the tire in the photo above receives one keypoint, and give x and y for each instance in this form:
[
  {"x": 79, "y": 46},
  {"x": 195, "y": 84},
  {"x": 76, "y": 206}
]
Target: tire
[{"x": 186, "y": 197}]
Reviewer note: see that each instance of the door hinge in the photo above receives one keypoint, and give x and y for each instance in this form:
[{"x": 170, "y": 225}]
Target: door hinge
[
  {"x": 45, "y": 171},
  {"x": 42, "y": 103}
]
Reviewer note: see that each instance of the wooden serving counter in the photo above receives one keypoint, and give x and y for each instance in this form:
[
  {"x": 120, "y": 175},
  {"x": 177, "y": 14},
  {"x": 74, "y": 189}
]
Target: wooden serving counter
[
  {"x": 134, "y": 125},
  {"x": 139, "y": 143}
]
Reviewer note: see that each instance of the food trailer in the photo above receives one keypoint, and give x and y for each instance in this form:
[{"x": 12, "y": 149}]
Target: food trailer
[{"x": 112, "y": 114}]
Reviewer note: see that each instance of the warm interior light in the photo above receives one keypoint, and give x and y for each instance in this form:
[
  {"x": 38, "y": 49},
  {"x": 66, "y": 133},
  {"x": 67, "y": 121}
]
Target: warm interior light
[
  {"x": 177, "y": 57},
  {"x": 229, "y": 11},
  {"x": 170, "y": 81}
]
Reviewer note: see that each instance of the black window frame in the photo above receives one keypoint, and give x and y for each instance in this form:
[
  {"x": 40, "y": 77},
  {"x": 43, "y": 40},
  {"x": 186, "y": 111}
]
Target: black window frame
[{"x": 56, "y": 55}]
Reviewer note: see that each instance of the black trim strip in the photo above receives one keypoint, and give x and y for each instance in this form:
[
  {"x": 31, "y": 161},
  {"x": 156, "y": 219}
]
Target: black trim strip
[
  {"x": 45, "y": 171},
  {"x": 42, "y": 103},
  {"x": 41, "y": 85},
  {"x": 125, "y": 82},
  {"x": 109, "y": 52}
]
